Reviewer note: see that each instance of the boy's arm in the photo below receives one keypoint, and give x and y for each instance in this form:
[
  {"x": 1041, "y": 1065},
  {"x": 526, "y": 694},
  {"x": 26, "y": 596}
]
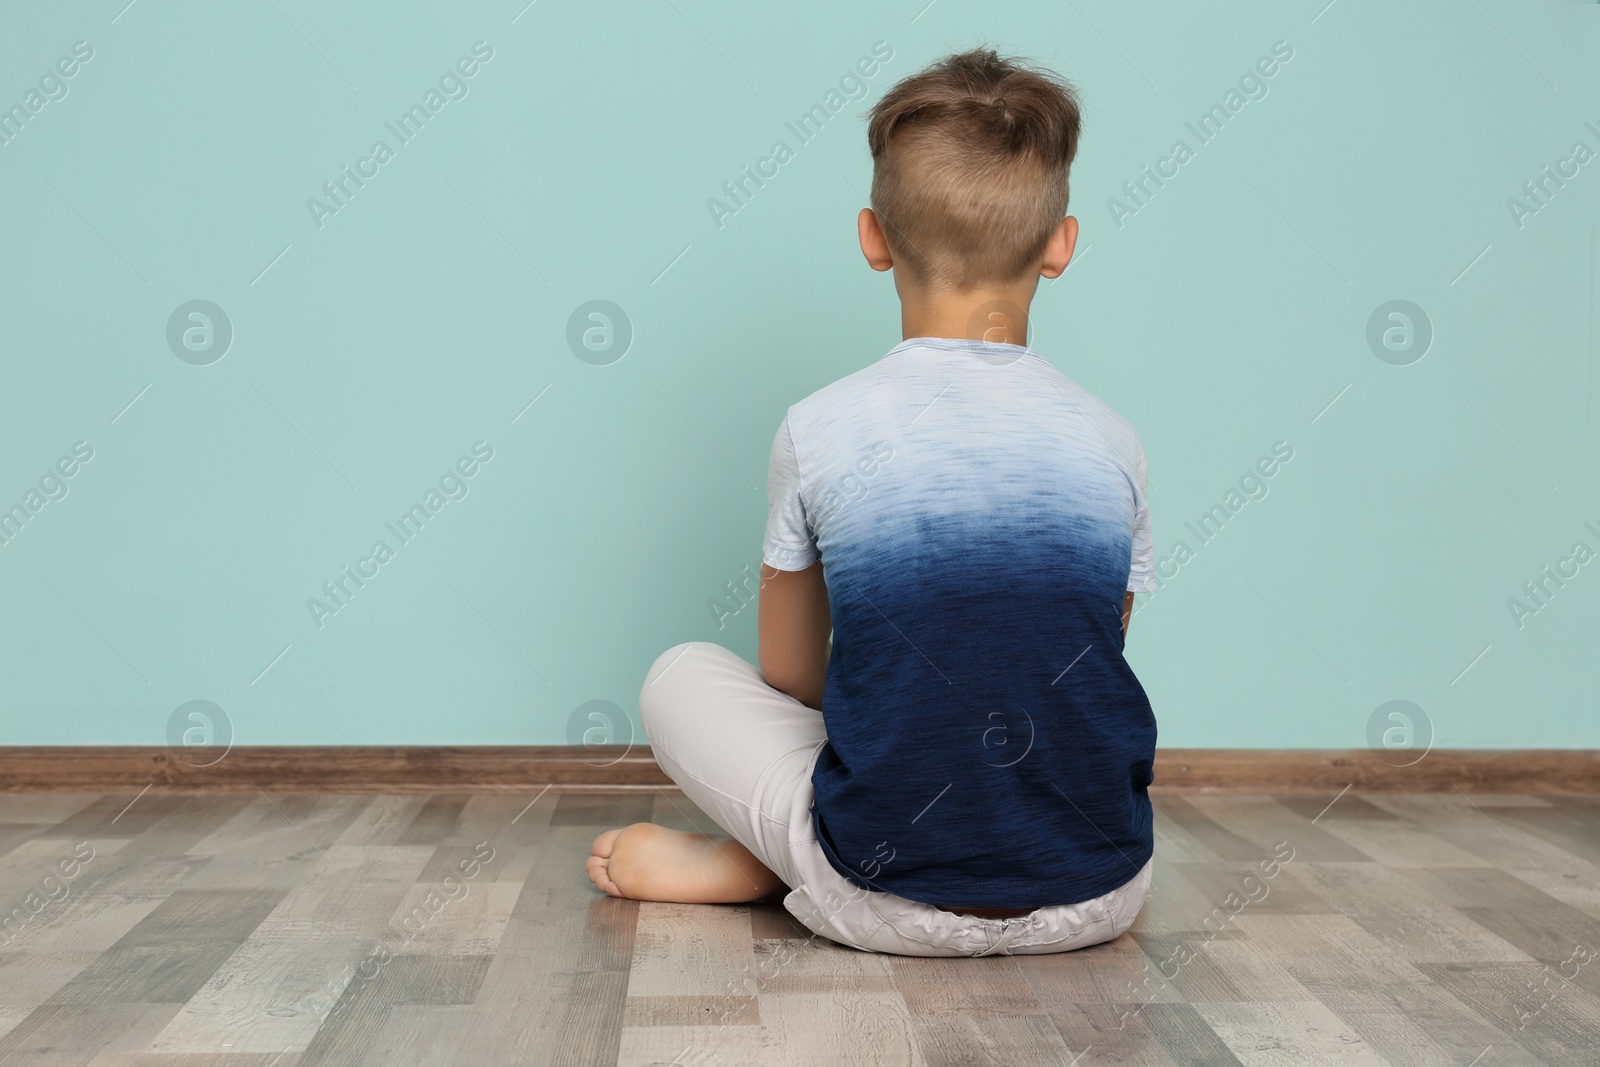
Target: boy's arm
[
  {"x": 793, "y": 624},
  {"x": 1127, "y": 612}
]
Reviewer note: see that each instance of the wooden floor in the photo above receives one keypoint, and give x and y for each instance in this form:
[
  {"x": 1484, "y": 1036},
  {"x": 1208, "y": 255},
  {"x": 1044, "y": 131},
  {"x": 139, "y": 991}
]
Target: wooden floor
[{"x": 291, "y": 930}]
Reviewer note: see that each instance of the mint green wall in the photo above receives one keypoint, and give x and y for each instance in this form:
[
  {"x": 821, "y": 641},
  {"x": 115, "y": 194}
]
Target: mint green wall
[{"x": 371, "y": 351}]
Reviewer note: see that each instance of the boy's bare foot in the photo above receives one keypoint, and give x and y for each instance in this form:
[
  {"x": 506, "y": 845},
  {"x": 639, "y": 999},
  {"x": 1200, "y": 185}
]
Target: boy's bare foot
[{"x": 649, "y": 862}]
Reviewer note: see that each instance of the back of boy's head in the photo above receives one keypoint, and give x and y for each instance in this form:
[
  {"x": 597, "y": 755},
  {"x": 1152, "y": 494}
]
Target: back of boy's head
[{"x": 970, "y": 159}]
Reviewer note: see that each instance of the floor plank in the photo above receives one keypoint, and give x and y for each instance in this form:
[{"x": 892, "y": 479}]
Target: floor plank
[
  {"x": 274, "y": 989},
  {"x": 1287, "y": 1034},
  {"x": 1397, "y": 1009},
  {"x": 245, "y": 930}
]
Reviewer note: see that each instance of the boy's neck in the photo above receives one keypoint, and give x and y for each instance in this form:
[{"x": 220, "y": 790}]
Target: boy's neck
[{"x": 996, "y": 315}]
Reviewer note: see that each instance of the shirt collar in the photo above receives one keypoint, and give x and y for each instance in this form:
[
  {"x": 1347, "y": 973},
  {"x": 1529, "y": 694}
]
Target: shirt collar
[{"x": 998, "y": 352}]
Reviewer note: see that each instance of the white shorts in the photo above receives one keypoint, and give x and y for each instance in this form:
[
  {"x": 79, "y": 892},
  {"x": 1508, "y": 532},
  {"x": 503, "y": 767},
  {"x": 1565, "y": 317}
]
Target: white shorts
[{"x": 743, "y": 752}]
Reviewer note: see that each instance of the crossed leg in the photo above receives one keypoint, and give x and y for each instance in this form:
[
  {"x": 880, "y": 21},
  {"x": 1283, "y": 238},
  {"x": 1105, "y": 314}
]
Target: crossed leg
[
  {"x": 738, "y": 749},
  {"x": 649, "y": 862}
]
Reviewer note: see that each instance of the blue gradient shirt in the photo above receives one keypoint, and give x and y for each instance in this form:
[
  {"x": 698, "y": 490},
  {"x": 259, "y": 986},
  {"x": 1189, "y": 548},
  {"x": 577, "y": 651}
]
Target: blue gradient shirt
[{"x": 978, "y": 516}]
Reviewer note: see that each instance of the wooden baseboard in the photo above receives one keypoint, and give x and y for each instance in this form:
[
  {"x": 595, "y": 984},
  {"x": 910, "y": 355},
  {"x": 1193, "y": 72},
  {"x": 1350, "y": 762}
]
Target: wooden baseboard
[
  {"x": 397, "y": 769},
  {"x": 331, "y": 768},
  {"x": 1309, "y": 770}
]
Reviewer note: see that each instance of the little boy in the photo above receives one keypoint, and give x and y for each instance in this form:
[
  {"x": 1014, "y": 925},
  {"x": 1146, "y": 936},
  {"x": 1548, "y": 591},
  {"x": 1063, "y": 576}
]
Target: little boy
[{"x": 965, "y": 770}]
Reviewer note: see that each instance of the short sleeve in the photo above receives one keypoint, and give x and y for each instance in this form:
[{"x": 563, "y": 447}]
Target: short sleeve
[
  {"x": 790, "y": 543},
  {"x": 1142, "y": 572}
]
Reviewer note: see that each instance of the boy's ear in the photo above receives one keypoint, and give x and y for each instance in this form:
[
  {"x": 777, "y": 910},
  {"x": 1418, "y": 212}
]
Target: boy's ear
[
  {"x": 874, "y": 245},
  {"x": 1058, "y": 251}
]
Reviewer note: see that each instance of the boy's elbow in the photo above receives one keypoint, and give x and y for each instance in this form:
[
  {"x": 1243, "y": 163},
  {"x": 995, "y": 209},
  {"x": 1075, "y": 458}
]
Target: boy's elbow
[
  {"x": 795, "y": 683},
  {"x": 810, "y": 696}
]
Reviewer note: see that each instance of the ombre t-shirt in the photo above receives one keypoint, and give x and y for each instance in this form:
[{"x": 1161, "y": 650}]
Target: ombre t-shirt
[{"x": 979, "y": 517}]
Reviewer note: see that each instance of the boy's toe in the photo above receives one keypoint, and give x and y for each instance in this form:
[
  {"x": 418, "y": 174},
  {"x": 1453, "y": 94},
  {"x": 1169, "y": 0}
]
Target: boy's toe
[
  {"x": 599, "y": 863},
  {"x": 605, "y": 843},
  {"x": 599, "y": 870}
]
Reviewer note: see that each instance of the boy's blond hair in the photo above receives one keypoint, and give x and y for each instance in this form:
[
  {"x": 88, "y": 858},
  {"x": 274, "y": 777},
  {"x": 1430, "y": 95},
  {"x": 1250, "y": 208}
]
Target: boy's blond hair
[{"x": 970, "y": 159}]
